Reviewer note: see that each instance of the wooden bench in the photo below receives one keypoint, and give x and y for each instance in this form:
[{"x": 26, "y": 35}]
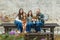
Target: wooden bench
[
  {"x": 8, "y": 26},
  {"x": 37, "y": 36}
]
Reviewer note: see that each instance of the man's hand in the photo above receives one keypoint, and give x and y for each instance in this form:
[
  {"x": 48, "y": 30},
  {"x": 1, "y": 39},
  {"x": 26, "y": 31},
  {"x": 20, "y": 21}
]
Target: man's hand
[{"x": 34, "y": 19}]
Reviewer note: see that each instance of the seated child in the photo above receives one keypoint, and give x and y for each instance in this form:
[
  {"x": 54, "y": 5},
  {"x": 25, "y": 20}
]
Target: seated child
[
  {"x": 24, "y": 22},
  {"x": 34, "y": 19}
]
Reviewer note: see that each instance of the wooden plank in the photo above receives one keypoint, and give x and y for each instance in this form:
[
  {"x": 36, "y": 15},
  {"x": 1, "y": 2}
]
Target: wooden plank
[
  {"x": 39, "y": 36},
  {"x": 46, "y": 24}
]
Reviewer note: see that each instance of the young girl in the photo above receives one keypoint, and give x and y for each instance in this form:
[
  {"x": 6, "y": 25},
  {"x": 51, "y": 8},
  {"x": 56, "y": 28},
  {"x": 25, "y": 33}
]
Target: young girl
[
  {"x": 24, "y": 22},
  {"x": 29, "y": 21}
]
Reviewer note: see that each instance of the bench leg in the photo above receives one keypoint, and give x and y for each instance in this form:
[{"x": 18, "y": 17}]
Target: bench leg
[
  {"x": 6, "y": 29},
  {"x": 52, "y": 35}
]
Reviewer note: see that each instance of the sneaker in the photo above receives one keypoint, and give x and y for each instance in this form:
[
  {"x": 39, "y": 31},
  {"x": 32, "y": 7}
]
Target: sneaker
[
  {"x": 18, "y": 32},
  {"x": 25, "y": 32}
]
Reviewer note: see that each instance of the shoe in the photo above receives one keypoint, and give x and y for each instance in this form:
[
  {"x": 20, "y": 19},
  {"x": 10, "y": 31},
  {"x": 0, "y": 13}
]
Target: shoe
[
  {"x": 18, "y": 32},
  {"x": 24, "y": 31}
]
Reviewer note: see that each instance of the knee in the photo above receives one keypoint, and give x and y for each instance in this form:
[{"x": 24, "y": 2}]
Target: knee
[
  {"x": 18, "y": 23},
  {"x": 39, "y": 23},
  {"x": 29, "y": 23}
]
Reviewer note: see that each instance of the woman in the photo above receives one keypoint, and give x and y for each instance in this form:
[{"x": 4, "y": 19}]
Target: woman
[
  {"x": 29, "y": 21},
  {"x": 18, "y": 19}
]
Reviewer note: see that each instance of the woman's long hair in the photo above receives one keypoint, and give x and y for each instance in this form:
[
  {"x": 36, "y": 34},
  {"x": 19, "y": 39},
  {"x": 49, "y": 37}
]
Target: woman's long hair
[
  {"x": 19, "y": 14},
  {"x": 31, "y": 13}
]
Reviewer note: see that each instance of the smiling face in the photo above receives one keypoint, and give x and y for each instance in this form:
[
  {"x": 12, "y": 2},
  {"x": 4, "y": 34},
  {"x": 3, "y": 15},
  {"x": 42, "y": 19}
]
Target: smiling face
[
  {"x": 30, "y": 13},
  {"x": 38, "y": 11},
  {"x": 21, "y": 11}
]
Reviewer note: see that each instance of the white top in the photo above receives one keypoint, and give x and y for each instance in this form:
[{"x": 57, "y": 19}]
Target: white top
[{"x": 18, "y": 19}]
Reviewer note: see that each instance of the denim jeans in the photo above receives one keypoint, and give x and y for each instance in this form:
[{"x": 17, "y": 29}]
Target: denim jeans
[
  {"x": 37, "y": 26},
  {"x": 28, "y": 26},
  {"x": 19, "y": 25}
]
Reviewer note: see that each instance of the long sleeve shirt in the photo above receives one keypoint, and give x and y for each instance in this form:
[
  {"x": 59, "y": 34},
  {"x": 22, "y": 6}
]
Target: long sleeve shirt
[
  {"x": 17, "y": 18},
  {"x": 40, "y": 17}
]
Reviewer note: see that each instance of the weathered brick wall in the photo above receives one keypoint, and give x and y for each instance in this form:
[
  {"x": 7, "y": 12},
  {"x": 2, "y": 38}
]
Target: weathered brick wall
[{"x": 50, "y": 7}]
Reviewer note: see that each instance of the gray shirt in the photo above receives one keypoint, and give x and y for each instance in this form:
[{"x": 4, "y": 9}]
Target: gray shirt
[{"x": 29, "y": 18}]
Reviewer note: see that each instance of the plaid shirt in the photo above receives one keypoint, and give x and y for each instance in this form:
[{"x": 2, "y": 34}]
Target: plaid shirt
[{"x": 40, "y": 17}]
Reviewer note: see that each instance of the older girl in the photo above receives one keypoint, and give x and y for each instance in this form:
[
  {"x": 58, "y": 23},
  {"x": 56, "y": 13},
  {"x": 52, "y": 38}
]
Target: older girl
[{"x": 18, "y": 19}]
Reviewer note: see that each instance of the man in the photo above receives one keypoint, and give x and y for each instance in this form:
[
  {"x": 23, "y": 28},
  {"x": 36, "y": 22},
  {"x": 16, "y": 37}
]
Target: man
[{"x": 40, "y": 22}]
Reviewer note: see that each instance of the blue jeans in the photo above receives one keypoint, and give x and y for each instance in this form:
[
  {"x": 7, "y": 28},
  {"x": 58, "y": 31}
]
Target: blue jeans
[
  {"x": 28, "y": 26},
  {"x": 37, "y": 26},
  {"x": 19, "y": 25}
]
